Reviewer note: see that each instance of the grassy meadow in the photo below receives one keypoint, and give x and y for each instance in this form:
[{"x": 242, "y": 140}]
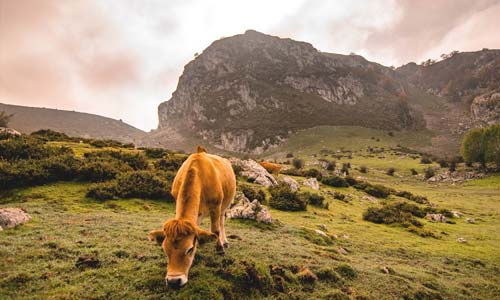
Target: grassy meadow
[{"x": 356, "y": 259}]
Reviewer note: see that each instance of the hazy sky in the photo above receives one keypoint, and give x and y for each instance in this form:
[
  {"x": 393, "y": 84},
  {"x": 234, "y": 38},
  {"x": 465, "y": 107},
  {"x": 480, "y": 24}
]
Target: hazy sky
[{"x": 121, "y": 58}]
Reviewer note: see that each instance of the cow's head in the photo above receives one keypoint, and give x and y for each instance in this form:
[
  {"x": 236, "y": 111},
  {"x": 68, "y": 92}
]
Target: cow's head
[{"x": 180, "y": 240}]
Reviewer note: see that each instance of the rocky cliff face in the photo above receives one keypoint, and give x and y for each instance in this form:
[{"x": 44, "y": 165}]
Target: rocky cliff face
[{"x": 249, "y": 92}]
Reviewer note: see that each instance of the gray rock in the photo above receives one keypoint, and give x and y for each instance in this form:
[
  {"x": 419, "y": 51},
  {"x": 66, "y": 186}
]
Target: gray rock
[
  {"x": 470, "y": 220},
  {"x": 369, "y": 198},
  {"x": 243, "y": 208},
  {"x": 292, "y": 183},
  {"x": 320, "y": 232},
  {"x": 439, "y": 218},
  {"x": 457, "y": 214},
  {"x": 253, "y": 171},
  {"x": 11, "y": 217},
  {"x": 312, "y": 183},
  {"x": 461, "y": 240}
]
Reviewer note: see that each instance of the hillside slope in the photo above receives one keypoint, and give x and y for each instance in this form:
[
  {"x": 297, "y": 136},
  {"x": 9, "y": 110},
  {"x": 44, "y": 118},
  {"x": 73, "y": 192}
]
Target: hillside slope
[
  {"x": 250, "y": 91},
  {"x": 28, "y": 119}
]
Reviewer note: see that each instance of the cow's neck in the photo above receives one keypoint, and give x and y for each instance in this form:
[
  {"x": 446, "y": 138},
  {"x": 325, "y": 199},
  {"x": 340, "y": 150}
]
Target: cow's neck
[{"x": 188, "y": 202}]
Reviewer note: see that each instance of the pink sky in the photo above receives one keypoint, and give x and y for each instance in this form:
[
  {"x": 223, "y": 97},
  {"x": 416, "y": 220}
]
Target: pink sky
[{"x": 121, "y": 58}]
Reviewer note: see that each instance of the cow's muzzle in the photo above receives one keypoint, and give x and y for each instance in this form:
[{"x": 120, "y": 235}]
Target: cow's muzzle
[{"x": 176, "y": 281}]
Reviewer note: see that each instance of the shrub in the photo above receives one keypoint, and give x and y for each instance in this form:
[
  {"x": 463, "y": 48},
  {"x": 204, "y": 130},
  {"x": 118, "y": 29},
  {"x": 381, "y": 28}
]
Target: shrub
[
  {"x": 21, "y": 147},
  {"x": 136, "y": 161},
  {"x": 298, "y": 163},
  {"x": 453, "y": 166},
  {"x": 102, "y": 191},
  {"x": 51, "y": 135},
  {"x": 443, "y": 163},
  {"x": 412, "y": 197},
  {"x": 391, "y": 171},
  {"x": 170, "y": 163},
  {"x": 363, "y": 169},
  {"x": 155, "y": 152},
  {"x": 351, "y": 180},
  {"x": 346, "y": 271},
  {"x": 142, "y": 184},
  {"x": 331, "y": 165},
  {"x": 378, "y": 191},
  {"x": 413, "y": 172},
  {"x": 335, "y": 181},
  {"x": 425, "y": 160},
  {"x": 253, "y": 193},
  {"x": 4, "y": 119},
  {"x": 429, "y": 172},
  {"x": 313, "y": 173},
  {"x": 102, "y": 170},
  {"x": 400, "y": 212},
  {"x": 289, "y": 155},
  {"x": 283, "y": 198},
  {"x": 313, "y": 198},
  {"x": 340, "y": 196}
]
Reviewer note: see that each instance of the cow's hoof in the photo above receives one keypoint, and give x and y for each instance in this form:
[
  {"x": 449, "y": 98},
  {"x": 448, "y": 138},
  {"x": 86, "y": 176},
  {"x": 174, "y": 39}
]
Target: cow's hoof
[
  {"x": 226, "y": 245},
  {"x": 219, "y": 249}
]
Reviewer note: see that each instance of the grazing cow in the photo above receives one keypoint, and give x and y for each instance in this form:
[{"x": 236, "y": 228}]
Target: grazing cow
[
  {"x": 205, "y": 185},
  {"x": 271, "y": 168}
]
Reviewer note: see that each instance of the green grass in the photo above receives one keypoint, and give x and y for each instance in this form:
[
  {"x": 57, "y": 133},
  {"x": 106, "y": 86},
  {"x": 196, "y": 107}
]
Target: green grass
[{"x": 37, "y": 259}]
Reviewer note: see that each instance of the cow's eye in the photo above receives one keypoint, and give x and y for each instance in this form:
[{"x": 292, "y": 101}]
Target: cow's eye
[{"x": 190, "y": 251}]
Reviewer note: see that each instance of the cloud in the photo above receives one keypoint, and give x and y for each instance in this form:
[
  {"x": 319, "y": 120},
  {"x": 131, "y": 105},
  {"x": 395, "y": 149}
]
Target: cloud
[{"x": 122, "y": 58}]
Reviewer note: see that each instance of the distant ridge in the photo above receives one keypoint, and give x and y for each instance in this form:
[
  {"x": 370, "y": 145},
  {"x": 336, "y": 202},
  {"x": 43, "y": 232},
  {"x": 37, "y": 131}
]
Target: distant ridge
[{"x": 28, "y": 119}]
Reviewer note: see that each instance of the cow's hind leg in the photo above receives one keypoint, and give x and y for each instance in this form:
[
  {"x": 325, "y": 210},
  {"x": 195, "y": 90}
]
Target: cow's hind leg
[
  {"x": 223, "y": 231},
  {"x": 215, "y": 227}
]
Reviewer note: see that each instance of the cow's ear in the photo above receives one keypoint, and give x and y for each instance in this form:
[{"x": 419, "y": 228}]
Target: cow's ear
[
  {"x": 205, "y": 236},
  {"x": 157, "y": 235}
]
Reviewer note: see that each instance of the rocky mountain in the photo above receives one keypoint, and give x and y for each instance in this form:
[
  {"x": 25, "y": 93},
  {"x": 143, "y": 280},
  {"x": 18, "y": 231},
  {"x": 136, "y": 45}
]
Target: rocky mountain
[
  {"x": 250, "y": 91},
  {"x": 29, "y": 119}
]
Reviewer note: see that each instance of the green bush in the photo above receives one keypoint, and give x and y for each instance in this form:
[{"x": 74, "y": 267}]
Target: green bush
[
  {"x": 298, "y": 163},
  {"x": 398, "y": 212},
  {"x": 412, "y": 197},
  {"x": 253, "y": 193},
  {"x": 346, "y": 271},
  {"x": 136, "y": 161},
  {"x": 289, "y": 155},
  {"x": 378, "y": 191},
  {"x": 22, "y": 147},
  {"x": 155, "y": 152},
  {"x": 170, "y": 163},
  {"x": 429, "y": 172},
  {"x": 51, "y": 135},
  {"x": 351, "y": 180},
  {"x": 335, "y": 181},
  {"x": 425, "y": 160},
  {"x": 363, "y": 169},
  {"x": 413, "y": 172},
  {"x": 313, "y": 173},
  {"x": 102, "y": 170},
  {"x": 391, "y": 171},
  {"x": 283, "y": 198},
  {"x": 313, "y": 198},
  {"x": 142, "y": 184}
]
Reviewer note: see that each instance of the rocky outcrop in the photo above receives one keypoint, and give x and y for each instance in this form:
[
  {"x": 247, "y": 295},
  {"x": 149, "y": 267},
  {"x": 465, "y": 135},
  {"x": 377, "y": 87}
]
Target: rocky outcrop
[
  {"x": 485, "y": 108},
  {"x": 234, "y": 93},
  {"x": 242, "y": 208},
  {"x": 253, "y": 171},
  {"x": 11, "y": 217},
  {"x": 312, "y": 183},
  {"x": 11, "y": 131},
  {"x": 455, "y": 177},
  {"x": 292, "y": 183},
  {"x": 438, "y": 218}
]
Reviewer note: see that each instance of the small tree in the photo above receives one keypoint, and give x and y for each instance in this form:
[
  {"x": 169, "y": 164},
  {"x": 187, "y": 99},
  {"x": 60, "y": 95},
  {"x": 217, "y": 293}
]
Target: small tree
[
  {"x": 4, "y": 119},
  {"x": 492, "y": 145},
  {"x": 473, "y": 146}
]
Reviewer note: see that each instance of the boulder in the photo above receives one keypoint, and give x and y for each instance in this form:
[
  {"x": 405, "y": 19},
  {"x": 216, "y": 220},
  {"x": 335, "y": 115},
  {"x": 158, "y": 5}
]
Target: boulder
[
  {"x": 456, "y": 214},
  {"x": 11, "y": 217},
  {"x": 320, "y": 232},
  {"x": 253, "y": 171},
  {"x": 470, "y": 220},
  {"x": 369, "y": 198},
  {"x": 312, "y": 183},
  {"x": 461, "y": 240},
  {"x": 242, "y": 208},
  {"x": 292, "y": 183},
  {"x": 439, "y": 218},
  {"x": 10, "y": 131}
]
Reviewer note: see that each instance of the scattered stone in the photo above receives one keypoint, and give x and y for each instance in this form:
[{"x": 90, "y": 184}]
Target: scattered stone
[
  {"x": 387, "y": 270},
  {"x": 455, "y": 177},
  {"x": 305, "y": 275},
  {"x": 461, "y": 240},
  {"x": 88, "y": 261},
  {"x": 439, "y": 218},
  {"x": 254, "y": 171},
  {"x": 342, "y": 251},
  {"x": 312, "y": 183},
  {"x": 345, "y": 236},
  {"x": 11, "y": 217},
  {"x": 470, "y": 221},
  {"x": 369, "y": 198},
  {"x": 323, "y": 227},
  {"x": 292, "y": 183},
  {"x": 456, "y": 214},
  {"x": 242, "y": 208},
  {"x": 320, "y": 232}
]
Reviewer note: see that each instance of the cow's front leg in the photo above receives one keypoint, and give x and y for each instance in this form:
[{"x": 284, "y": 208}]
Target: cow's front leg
[{"x": 215, "y": 227}]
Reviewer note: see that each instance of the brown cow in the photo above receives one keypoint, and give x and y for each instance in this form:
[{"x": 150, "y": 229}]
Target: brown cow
[
  {"x": 205, "y": 185},
  {"x": 271, "y": 168}
]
